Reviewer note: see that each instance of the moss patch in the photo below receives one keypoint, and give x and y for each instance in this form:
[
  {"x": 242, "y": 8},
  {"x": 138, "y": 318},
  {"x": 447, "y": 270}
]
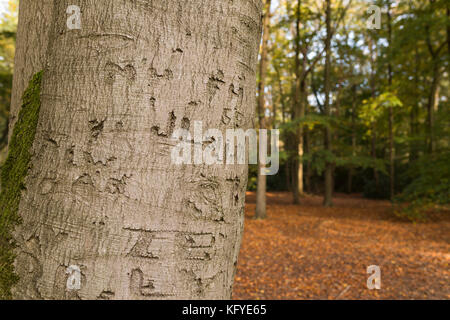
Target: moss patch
[{"x": 13, "y": 175}]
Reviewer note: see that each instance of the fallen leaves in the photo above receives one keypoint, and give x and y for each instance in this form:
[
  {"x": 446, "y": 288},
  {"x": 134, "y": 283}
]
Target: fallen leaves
[{"x": 311, "y": 252}]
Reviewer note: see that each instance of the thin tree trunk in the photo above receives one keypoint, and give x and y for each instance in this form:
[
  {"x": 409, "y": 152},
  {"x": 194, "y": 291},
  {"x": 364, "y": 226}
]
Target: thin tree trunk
[
  {"x": 373, "y": 151},
  {"x": 305, "y": 149},
  {"x": 299, "y": 106},
  {"x": 296, "y": 167},
  {"x": 374, "y": 156},
  {"x": 282, "y": 102},
  {"x": 300, "y": 141},
  {"x": 290, "y": 161},
  {"x": 103, "y": 195},
  {"x": 352, "y": 170},
  {"x": 391, "y": 155},
  {"x": 328, "y": 195},
  {"x": 391, "y": 114},
  {"x": 415, "y": 111},
  {"x": 262, "y": 179},
  {"x": 308, "y": 174},
  {"x": 433, "y": 102},
  {"x": 283, "y": 120}
]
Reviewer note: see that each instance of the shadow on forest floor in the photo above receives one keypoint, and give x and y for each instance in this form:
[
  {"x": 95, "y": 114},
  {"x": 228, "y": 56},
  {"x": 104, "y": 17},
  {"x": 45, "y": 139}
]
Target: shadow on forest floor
[{"x": 310, "y": 252}]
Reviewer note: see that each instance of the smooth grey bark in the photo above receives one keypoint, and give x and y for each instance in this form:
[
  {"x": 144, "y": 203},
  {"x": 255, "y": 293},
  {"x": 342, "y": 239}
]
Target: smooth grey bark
[
  {"x": 391, "y": 112},
  {"x": 102, "y": 193},
  {"x": 414, "y": 115},
  {"x": 328, "y": 194},
  {"x": 298, "y": 108},
  {"x": 303, "y": 67},
  {"x": 31, "y": 49},
  {"x": 373, "y": 141},
  {"x": 262, "y": 179},
  {"x": 351, "y": 171}
]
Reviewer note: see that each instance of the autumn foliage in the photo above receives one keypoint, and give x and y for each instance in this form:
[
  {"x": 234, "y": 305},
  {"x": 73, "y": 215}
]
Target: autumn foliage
[{"x": 311, "y": 252}]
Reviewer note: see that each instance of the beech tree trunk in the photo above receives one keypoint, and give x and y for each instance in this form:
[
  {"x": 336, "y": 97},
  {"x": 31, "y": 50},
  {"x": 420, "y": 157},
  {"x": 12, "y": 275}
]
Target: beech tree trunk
[
  {"x": 373, "y": 140},
  {"x": 299, "y": 107},
  {"x": 300, "y": 114},
  {"x": 414, "y": 115},
  {"x": 391, "y": 115},
  {"x": 328, "y": 196},
  {"x": 351, "y": 170},
  {"x": 102, "y": 194},
  {"x": 262, "y": 179},
  {"x": 433, "y": 103},
  {"x": 31, "y": 49},
  {"x": 307, "y": 149}
]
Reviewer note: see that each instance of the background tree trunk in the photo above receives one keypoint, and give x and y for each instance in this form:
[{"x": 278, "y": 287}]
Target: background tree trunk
[
  {"x": 309, "y": 173},
  {"x": 351, "y": 170},
  {"x": 299, "y": 106},
  {"x": 262, "y": 179},
  {"x": 373, "y": 140},
  {"x": 102, "y": 193},
  {"x": 391, "y": 113},
  {"x": 433, "y": 103},
  {"x": 414, "y": 149},
  {"x": 433, "y": 98},
  {"x": 328, "y": 195}
]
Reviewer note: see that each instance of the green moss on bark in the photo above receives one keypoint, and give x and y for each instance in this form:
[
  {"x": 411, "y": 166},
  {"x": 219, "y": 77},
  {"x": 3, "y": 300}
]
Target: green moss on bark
[{"x": 13, "y": 174}]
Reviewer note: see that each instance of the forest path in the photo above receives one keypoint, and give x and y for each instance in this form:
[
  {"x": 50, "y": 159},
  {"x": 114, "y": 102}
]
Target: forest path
[{"x": 310, "y": 252}]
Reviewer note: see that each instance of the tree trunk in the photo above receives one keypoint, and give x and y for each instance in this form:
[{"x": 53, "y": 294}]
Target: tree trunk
[
  {"x": 391, "y": 114},
  {"x": 373, "y": 151},
  {"x": 31, "y": 49},
  {"x": 282, "y": 102},
  {"x": 328, "y": 195},
  {"x": 351, "y": 171},
  {"x": 102, "y": 195},
  {"x": 391, "y": 155},
  {"x": 433, "y": 98},
  {"x": 300, "y": 138},
  {"x": 299, "y": 108},
  {"x": 374, "y": 155},
  {"x": 308, "y": 175},
  {"x": 262, "y": 179},
  {"x": 433, "y": 103},
  {"x": 414, "y": 150}
]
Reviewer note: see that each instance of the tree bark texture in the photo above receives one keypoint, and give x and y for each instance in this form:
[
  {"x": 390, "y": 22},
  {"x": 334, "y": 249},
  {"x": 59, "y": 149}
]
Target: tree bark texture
[
  {"x": 262, "y": 179},
  {"x": 102, "y": 193},
  {"x": 328, "y": 196},
  {"x": 31, "y": 49}
]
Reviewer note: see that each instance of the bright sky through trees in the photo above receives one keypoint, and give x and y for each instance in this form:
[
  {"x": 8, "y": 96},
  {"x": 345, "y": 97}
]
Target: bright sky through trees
[{"x": 3, "y": 6}]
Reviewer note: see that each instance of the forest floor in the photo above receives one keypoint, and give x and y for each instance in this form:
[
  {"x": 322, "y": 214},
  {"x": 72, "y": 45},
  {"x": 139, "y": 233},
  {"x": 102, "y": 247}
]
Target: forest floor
[{"x": 310, "y": 252}]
